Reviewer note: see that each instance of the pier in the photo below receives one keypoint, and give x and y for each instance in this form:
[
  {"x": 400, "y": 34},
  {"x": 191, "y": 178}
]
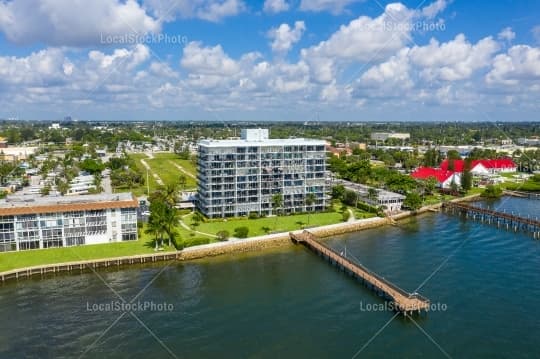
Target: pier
[
  {"x": 522, "y": 194},
  {"x": 403, "y": 301},
  {"x": 508, "y": 221}
]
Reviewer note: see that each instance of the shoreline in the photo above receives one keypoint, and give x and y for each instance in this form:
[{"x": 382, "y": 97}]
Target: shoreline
[{"x": 216, "y": 249}]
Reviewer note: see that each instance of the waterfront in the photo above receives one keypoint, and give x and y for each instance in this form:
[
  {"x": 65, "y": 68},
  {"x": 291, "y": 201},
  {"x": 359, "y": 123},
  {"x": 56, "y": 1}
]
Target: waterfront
[{"x": 287, "y": 302}]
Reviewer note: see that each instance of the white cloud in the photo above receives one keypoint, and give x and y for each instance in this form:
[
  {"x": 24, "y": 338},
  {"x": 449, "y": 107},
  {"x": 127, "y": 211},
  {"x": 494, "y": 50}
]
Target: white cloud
[
  {"x": 333, "y": 6},
  {"x": 454, "y": 60},
  {"x": 284, "y": 37},
  {"x": 72, "y": 23},
  {"x": 275, "y": 6},
  {"x": 363, "y": 40},
  {"x": 507, "y": 34},
  {"x": 520, "y": 65},
  {"x": 217, "y": 10},
  {"x": 434, "y": 8},
  {"x": 210, "y": 10},
  {"x": 208, "y": 60}
]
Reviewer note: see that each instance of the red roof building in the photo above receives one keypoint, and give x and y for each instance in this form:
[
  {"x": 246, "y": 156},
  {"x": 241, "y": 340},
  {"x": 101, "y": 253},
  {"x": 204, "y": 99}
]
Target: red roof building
[
  {"x": 443, "y": 177},
  {"x": 483, "y": 166}
]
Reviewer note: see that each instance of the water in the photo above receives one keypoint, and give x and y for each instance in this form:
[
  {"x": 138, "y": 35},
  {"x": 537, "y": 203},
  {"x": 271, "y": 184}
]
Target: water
[{"x": 288, "y": 303}]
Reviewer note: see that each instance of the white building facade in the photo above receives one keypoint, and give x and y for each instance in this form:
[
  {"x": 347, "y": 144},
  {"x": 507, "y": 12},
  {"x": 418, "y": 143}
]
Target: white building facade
[
  {"x": 47, "y": 222},
  {"x": 237, "y": 177}
]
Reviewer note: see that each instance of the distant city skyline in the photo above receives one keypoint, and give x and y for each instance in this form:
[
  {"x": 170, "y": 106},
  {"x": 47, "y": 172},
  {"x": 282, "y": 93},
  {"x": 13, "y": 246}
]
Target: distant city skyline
[{"x": 272, "y": 60}]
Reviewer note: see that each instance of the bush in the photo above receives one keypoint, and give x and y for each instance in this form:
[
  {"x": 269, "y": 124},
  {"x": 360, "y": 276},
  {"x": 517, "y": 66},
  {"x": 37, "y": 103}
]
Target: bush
[
  {"x": 346, "y": 215},
  {"x": 492, "y": 192},
  {"x": 253, "y": 215},
  {"x": 241, "y": 232},
  {"x": 223, "y": 235}
]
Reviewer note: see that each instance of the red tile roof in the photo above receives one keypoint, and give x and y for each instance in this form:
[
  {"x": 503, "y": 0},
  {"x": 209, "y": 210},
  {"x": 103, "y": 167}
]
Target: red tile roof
[
  {"x": 427, "y": 172},
  {"x": 495, "y": 164}
]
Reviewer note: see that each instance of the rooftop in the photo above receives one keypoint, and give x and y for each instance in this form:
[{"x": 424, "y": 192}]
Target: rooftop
[
  {"x": 268, "y": 142},
  {"x": 30, "y": 204}
]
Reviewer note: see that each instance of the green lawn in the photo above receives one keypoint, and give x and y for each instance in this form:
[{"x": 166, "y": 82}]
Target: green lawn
[
  {"x": 261, "y": 226},
  {"x": 163, "y": 165},
  {"x": 12, "y": 260},
  {"x": 530, "y": 186}
]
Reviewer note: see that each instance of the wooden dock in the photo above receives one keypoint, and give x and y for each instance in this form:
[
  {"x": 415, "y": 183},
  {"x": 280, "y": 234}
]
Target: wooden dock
[
  {"x": 87, "y": 265},
  {"x": 508, "y": 221},
  {"x": 403, "y": 302},
  {"x": 523, "y": 194}
]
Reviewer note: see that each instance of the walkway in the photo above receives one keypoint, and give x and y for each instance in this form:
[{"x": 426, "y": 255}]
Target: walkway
[
  {"x": 183, "y": 170},
  {"x": 403, "y": 302},
  {"x": 507, "y": 220},
  {"x": 155, "y": 175}
]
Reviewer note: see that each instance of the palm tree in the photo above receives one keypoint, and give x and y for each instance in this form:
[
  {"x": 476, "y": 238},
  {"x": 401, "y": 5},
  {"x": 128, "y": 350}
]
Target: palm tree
[
  {"x": 277, "y": 203},
  {"x": 170, "y": 220},
  {"x": 182, "y": 181},
  {"x": 153, "y": 227},
  {"x": 170, "y": 194},
  {"x": 372, "y": 193},
  {"x": 310, "y": 200}
]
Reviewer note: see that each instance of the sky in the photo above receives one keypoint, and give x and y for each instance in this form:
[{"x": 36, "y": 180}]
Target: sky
[{"x": 270, "y": 60}]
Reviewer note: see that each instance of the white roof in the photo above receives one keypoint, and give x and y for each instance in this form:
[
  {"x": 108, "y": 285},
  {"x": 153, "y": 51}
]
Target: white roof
[{"x": 265, "y": 143}]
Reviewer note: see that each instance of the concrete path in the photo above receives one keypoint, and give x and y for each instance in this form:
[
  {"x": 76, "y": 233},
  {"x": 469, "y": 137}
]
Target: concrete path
[
  {"x": 155, "y": 175},
  {"x": 185, "y": 226},
  {"x": 183, "y": 170}
]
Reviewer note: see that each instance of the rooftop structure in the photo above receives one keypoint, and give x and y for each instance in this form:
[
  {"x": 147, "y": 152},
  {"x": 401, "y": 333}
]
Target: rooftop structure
[
  {"x": 30, "y": 222},
  {"x": 383, "y": 136},
  {"x": 236, "y": 177},
  {"x": 391, "y": 201},
  {"x": 444, "y": 178},
  {"x": 483, "y": 166}
]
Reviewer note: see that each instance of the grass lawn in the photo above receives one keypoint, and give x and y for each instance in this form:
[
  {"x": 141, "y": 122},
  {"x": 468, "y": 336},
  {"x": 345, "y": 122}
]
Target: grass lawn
[
  {"x": 163, "y": 165},
  {"x": 12, "y": 260},
  {"x": 529, "y": 185},
  {"x": 262, "y": 226}
]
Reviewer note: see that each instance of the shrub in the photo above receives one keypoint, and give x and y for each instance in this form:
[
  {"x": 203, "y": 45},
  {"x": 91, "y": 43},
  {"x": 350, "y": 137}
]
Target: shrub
[
  {"x": 253, "y": 215},
  {"x": 223, "y": 235},
  {"x": 241, "y": 232},
  {"x": 346, "y": 215},
  {"x": 492, "y": 192}
]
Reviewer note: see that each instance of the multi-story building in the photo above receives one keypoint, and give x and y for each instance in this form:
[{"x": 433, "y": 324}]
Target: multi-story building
[
  {"x": 236, "y": 177},
  {"x": 383, "y": 136},
  {"x": 46, "y": 222}
]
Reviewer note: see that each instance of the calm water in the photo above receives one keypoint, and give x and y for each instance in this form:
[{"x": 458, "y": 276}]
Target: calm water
[{"x": 288, "y": 303}]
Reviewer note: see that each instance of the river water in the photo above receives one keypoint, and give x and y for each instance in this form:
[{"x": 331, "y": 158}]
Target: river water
[{"x": 484, "y": 285}]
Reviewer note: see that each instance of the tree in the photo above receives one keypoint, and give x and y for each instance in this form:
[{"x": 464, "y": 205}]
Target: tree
[
  {"x": 310, "y": 201},
  {"x": 171, "y": 219},
  {"x": 372, "y": 193},
  {"x": 412, "y": 201},
  {"x": 453, "y": 155},
  {"x": 492, "y": 192},
  {"x": 338, "y": 191},
  {"x": 182, "y": 181},
  {"x": 277, "y": 203},
  {"x": 430, "y": 184},
  {"x": 350, "y": 197},
  {"x": 241, "y": 232},
  {"x": 92, "y": 166},
  {"x": 223, "y": 235},
  {"x": 466, "y": 176}
]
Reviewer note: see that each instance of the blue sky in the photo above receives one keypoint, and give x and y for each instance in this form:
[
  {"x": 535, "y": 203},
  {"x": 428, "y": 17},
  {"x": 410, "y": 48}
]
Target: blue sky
[{"x": 286, "y": 60}]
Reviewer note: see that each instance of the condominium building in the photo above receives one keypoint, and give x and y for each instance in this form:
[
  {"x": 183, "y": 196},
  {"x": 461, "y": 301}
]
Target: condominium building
[
  {"x": 236, "y": 177},
  {"x": 46, "y": 222}
]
